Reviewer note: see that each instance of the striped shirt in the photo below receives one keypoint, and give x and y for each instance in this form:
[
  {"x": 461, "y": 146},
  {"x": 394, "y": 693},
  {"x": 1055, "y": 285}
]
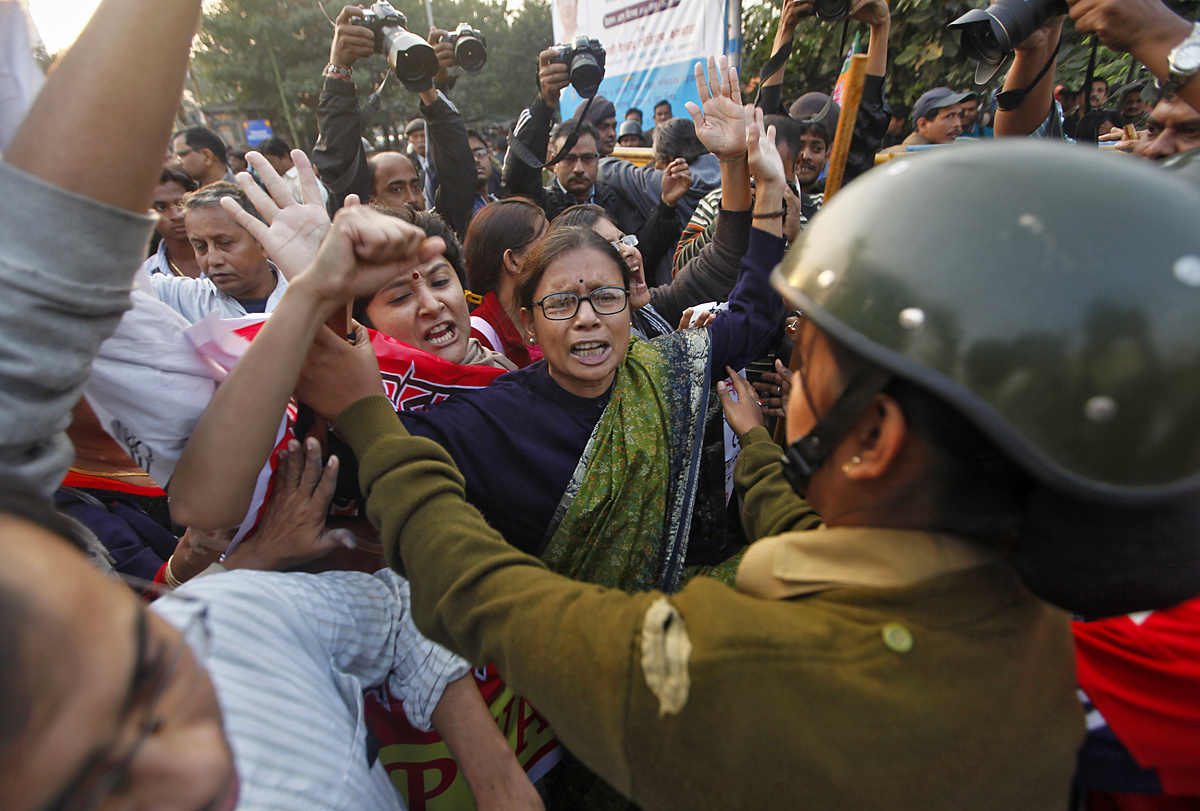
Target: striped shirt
[{"x": 290, "y": 655}]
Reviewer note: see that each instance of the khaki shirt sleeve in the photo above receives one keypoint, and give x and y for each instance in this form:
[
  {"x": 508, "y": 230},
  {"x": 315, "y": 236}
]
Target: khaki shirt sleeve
[
  {"x": 571, "y": 648},
  {"x": 769, "y": 504}
]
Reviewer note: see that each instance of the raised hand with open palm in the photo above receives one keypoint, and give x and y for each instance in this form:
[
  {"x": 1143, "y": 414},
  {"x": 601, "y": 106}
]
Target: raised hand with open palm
[{"x": 720, "y": 122}]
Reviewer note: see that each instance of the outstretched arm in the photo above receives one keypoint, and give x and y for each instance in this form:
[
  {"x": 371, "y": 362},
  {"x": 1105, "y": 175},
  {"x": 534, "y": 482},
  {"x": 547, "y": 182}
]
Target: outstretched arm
[
  {"x": 743, "y": 333},
  {"x": 873, "y": 112},
  {"x": 89, "y": 154},
  {"x": 449, "y": 148},
  {"x": 1028, "y": 60},
  {"x": 533, "y": 131},
  {"x": 771, "y": 96},
  {"x": 481, "y": 751},
  {"x": 119, "y": 160},
  {"x": 711, "y": 275},
  {"x": 338, "y": 154},
  {"x": 213, "y": 482}
]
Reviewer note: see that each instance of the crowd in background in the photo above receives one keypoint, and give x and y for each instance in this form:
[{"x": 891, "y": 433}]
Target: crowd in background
[{"x": 694, "y": 459}]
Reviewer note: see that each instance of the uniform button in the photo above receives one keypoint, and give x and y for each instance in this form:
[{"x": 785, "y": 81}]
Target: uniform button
[{"x": 897, "y": 637}]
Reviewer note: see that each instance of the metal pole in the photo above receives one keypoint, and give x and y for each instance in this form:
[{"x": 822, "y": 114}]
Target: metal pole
[
  {"x": 287, "y": 113},
  {"x": 733, "y": 32},
  {"x": 429, "y": 13}
]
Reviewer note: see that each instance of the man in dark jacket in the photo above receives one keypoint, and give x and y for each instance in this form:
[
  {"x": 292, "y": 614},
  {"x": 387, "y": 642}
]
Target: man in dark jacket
[
  {"x": 339, "y": 156},
  {"x": 574, "y": 177}
]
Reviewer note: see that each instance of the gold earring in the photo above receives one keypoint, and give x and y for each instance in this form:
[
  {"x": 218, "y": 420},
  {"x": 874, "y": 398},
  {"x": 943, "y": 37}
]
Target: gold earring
[{"x": 853, "y": 461}]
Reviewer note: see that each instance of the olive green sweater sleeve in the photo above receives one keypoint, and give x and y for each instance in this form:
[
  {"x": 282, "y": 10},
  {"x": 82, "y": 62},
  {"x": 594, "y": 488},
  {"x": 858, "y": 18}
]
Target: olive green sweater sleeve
[
  {"x": 769, "y": 504},
  {"x": 570, "y": 647}
]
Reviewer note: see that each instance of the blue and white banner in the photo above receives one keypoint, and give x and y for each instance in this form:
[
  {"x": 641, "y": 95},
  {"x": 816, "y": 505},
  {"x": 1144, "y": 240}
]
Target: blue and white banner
[{"x": 651, "y": 47}]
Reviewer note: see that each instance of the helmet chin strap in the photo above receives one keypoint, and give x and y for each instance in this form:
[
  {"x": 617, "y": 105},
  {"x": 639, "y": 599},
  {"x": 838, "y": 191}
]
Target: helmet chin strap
[{"x": 802, "y": 458}]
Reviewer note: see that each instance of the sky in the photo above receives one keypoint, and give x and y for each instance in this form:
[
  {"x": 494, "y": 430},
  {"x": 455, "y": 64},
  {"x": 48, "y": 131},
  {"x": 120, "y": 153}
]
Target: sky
[{"x": 60, "y": 21}]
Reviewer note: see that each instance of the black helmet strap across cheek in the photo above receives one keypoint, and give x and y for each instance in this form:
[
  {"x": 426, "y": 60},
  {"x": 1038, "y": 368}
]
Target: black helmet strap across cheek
[{"x": 802, "y": 458}]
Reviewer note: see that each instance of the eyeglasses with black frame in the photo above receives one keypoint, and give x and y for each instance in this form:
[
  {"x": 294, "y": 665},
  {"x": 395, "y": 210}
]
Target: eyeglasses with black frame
[
  {"x": 564, "y": 306},
  {"x": 109, "y": 774},
  {"x": 586, "y": 158}
]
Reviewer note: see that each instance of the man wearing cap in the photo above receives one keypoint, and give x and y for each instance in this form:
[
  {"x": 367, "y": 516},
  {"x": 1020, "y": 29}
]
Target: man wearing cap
[
  {"x": 937, "y": 119},
  {"x": 603, "y": 116},
  {"x": 415, "y": 133}
]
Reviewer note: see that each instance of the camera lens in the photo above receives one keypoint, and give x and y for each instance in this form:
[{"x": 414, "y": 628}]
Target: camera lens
[
  {"x": 411, "y": 57},
  {"x": 471, "y": 54},
  {"x": 990, "y": 35},
  {"x": 586, "y": 75},
  {"x": 980, "y": 43}
]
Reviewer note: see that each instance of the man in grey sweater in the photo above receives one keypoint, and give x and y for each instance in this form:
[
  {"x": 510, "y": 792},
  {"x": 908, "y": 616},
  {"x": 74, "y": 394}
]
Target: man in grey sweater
[{"x": 63, "y": 289}]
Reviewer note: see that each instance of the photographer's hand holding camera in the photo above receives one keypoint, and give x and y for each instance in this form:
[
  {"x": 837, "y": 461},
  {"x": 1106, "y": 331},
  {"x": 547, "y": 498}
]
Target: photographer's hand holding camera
[
  {"x": 1028, "y": 60},
  {"x": 339, "y": 154},
  {"x": 533, "y": 129},
  {"x": 553, "y": 76},
  {"x": 1152, "y": 33},
  {"x": 873, "y": 112},
  {"x": 351, "y": 41}
]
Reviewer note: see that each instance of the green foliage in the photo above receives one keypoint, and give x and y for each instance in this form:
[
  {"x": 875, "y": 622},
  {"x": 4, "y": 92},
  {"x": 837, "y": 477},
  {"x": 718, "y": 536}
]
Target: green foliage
[
  {"x": 238, "y": 38},
  {"x": 922, "y": 52}
]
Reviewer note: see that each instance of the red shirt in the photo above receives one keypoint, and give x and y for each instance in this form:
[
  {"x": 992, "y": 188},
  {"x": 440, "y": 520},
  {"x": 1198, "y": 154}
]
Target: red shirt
[
  {"x": 1142, "y": 672},
  {"x": 491, "y": 313}
]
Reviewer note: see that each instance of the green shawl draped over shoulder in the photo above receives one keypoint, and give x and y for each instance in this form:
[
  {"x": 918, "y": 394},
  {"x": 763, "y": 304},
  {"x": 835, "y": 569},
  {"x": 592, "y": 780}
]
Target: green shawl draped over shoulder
[{"x": 624, "y": 519}]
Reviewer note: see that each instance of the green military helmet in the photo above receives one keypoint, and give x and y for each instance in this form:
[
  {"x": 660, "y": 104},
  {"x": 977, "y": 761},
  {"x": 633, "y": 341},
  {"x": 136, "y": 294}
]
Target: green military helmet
[
  {"x": 1186, "y": 165},
  {"x": 1048, "y": 292}
]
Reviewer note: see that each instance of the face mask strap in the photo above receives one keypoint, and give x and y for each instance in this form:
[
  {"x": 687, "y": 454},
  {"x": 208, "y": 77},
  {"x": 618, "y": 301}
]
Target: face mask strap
[{"x": 802, "y": 458}]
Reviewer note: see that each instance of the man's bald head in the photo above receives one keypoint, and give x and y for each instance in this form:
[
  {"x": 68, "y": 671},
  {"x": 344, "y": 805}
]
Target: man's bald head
[{"x": 396, "y": 180}]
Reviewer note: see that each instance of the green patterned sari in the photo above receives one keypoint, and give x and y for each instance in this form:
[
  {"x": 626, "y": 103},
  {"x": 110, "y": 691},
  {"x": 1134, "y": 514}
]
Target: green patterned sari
[{"x": 626, "y": 515}]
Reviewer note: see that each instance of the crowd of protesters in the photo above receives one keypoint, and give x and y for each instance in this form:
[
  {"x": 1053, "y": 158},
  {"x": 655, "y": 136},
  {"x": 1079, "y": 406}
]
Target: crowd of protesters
[{"x": 609, "y": 462}]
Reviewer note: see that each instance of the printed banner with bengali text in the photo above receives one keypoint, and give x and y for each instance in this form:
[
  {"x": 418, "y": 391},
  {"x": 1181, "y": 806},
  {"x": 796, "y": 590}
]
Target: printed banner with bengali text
[{"x": 651, "y": 48}]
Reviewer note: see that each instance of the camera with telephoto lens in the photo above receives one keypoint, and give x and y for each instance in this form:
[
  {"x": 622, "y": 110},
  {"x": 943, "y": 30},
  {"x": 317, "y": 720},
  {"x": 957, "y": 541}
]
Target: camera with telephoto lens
[
  {"x": 470, "y": 48},
  {"x": 831, "y": 10},
  {"x": 584, "y": 59},
  {"x": 410, "y": 56},
  {"x": 990, "y": 35}
]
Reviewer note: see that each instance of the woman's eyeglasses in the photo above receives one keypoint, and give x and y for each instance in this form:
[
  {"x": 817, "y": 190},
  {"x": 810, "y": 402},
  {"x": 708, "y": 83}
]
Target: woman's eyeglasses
[{"x": 604, "y": 301}]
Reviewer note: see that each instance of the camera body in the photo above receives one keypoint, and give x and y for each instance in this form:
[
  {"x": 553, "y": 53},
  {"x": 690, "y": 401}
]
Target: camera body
[
  {"x": 584, "y": 59},
  {"x": 411, "y": 57},
  {"x": 378, "y": 18},
  {"x": 470, "y": 48},
  {"x": 990, "y": 35},
  {"x": 831, "y": 10}
]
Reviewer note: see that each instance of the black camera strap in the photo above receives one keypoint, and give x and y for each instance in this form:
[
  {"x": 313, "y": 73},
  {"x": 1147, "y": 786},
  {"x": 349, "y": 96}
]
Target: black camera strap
[
  {"x": 1010, "y": 100},
  {"x": 780, "y": 57},
  {"x": 529, "y": 159},
  {"x": 803, "y": 457},
  {"x": 777, "y": 60}
]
